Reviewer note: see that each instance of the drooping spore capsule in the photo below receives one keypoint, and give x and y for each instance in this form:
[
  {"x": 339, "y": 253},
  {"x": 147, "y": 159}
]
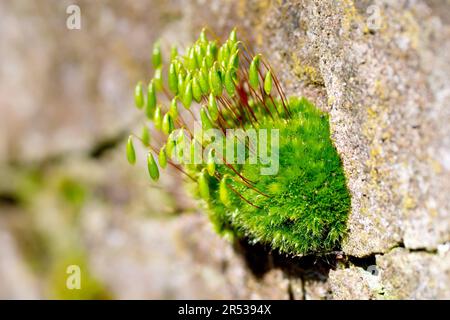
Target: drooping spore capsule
[
  {"x": 202, "y": 77},
  {"x": 215, "y": 82},
  {"x": 167, "y": 124},
  {"x": 202, "y": 36},
  {"x": 224, "y": 194},
  {"x": 196, "y": 90},
  {"x": 253, "y": 73},
  {"x": 156, "y": 55},
  {"x": 145, "y": 136},
  {"x": 192, "y": 60},
  {"x": 173, "y": 79},
  {"x": 234, "y": 61},
  {"x": 157, "y": 118},
  {"x": 151, "y": 100},
  {"x": 203, "y": 185},
  {"x": 139, "y": 95},
  {"x": 210, "y": 163},
  {"x": 162, "y": 157},
  {"x": 187, "y": 96},
  {"x": 212, "y": 107},
  {"x": 158, "y": 79},
  {"x": 229, "y": 82},
  {"x": 206, "y": 122},
  {"x": 173, "y": 110},
  {"x": 152, "y": 167},
  {"x": 233, "y": 36},
  {"x": 131, "y": 153},
  {"x": 268, "y": 83},
  {"x": 170, "y": 146}
]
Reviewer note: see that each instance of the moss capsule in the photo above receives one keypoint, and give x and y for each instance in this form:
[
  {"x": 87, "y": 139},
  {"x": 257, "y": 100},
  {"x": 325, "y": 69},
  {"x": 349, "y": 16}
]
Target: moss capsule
[
  {"x": 202, "y": 77},
  {"x": 206, "y": 122},
  {"x": 157, "y": 120},
  {"x": 229, "y": 82},
  {"x": 139, "y": 95},
  {"x": 210, "y": 163},
  {"x": 167, "y": 124},
  {"x": 156, "y": 55},
  {"x": 187, "y": 96},
  {"x": 162, "y": 157},
  {"x": 224, "y": 194},
  {"x": 173, "y": 110},
  {"x": 173, "y": 79},
  {"x": 152, "y": 167},
  {"x": 203, "y": 185},
  {"x": 158, "y": 79},
  {"x": 151, "y": 100},
  {"x": 268, "y": 83},
  {"x": 253, "y": 76},
  {"x": 131, "y": 153},
  {"x": 196, "y": 89},
  {"x": 215, "y": 82},
  {"x": 212, "y": 107}
]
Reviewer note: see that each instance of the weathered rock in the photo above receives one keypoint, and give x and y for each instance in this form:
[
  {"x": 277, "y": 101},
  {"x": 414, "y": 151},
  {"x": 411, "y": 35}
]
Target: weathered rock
[{"x": 415, "y": 275}]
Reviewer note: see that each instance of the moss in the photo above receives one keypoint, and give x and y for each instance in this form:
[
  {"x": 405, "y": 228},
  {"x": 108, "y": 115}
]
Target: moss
[
  {"x": 309, "y": 202},
  {"x": 302, "y": 207}
]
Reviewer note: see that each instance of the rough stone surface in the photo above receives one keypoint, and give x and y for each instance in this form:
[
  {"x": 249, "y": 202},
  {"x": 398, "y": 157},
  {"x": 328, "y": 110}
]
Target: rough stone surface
[{"x": 380, "y": 68}]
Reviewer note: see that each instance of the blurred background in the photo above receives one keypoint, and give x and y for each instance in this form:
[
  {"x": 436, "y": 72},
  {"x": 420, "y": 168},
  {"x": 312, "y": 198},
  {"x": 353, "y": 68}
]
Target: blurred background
[
  {"x": 67, "y": 194},
  {"x": 69, "y": 197}
]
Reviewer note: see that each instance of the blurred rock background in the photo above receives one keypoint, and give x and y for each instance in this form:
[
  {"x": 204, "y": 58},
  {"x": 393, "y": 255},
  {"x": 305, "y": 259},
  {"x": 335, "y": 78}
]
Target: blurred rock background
[{"x": 67, "y": 195}]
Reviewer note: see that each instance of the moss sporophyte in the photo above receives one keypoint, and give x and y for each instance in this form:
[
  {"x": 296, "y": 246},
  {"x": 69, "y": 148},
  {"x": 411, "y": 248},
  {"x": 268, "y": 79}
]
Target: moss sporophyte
[{"x": 263, "y": 164}]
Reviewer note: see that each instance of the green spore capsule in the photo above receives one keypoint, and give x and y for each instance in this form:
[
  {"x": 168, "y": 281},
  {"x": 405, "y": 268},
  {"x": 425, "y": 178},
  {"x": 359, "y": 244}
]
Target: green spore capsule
[
  {"x": 211, "y": 164},
  {"x": 157, "y": 119},
  {"x": 229, "y": 82},
  {"x": 173, "y": 79},
  {"x": 202, "y": 77},
  {"x": 156, "y": 55},
  {"x": 170, "y": 146},
  {"x": 196, "y": 90},
  {"x": 234, "y": 61},
  {"x": 203, "y": 185},
  {"x": 212, "y": 107},
  {"x": 145, "y": 136},
  {"x": 206, "y": 122},
  {"x": 151, "y": 100},
  {"x": 202, "y": 37},
  {"x": 224, "y": 194},
  {"x": 162, "y": 157},
  {"x": 173, "y": 110},
  {"x": 139, "y": 95},
  {"x": 131, "y": 153},
  {"x": 210, "y": 56},
  {"x": 158, "y": 79},
  {"x": 233, "y": 36},
  {"x": 215, "y": 82},
  {"x": 253, "y": 77},
  {"x": 199, "y": 54},
  {"x": 192, "y": 60},
  {"x": 187, "y": 96},
  {"x": 152, "y": 167},
  {"x": 268, "y": 83},
  {"x": 167, "y": 124}
]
